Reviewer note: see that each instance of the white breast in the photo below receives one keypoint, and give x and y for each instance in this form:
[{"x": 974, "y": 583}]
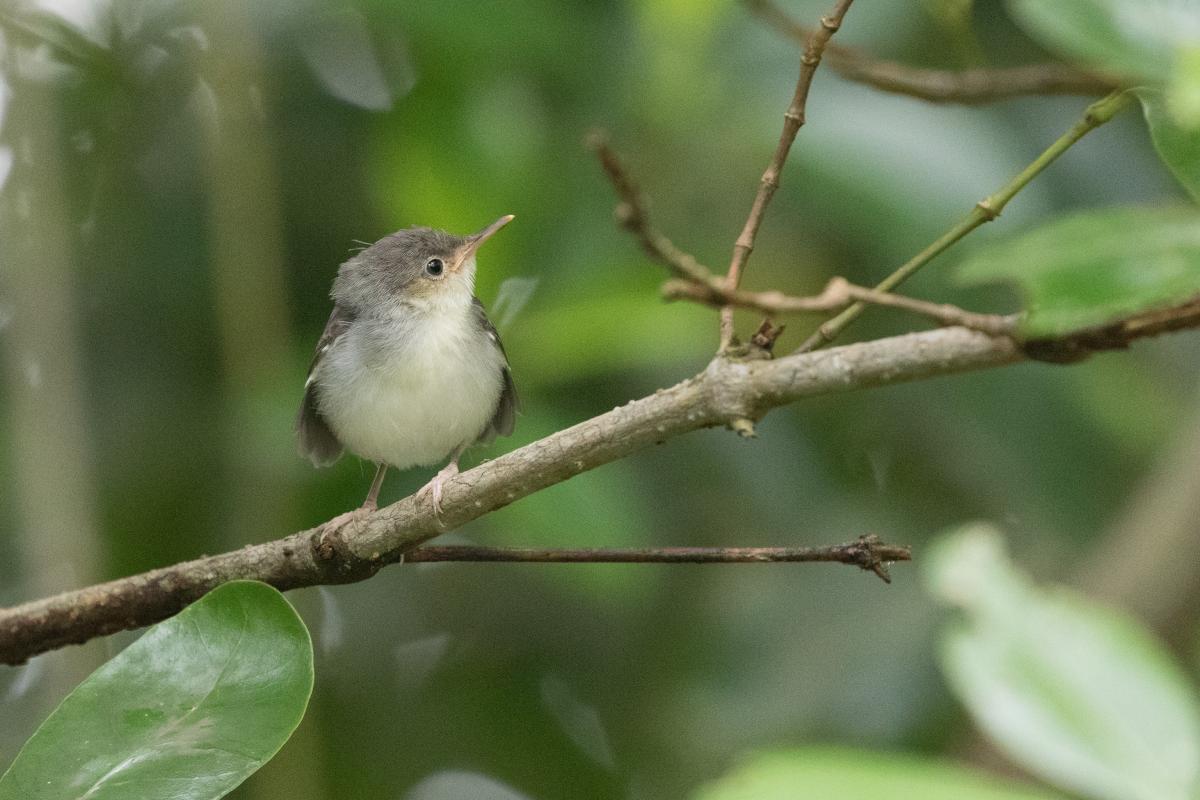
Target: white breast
[{"x": 407, "y": 391}]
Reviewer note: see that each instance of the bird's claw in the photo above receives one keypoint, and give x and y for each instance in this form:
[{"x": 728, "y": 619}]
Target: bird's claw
[{"x": 433, "y": 489}]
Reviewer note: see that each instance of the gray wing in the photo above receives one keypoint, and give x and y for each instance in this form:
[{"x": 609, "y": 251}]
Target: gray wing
[
  {"x": 315, "y": 440},
  {"x": 504, "y": 418}
]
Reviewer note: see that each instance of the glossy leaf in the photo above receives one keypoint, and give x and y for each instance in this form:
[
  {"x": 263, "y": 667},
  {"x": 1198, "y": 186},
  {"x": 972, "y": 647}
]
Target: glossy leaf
[
  {"x": 1076, "y": 693},
  {"x": 1097, "y": 267},
  {"x": 1178, "y": 147},
  {"x": 187, "y": 712},
  {"x": 833, "y": 774},
  {"x": 1137, "y": 38}
]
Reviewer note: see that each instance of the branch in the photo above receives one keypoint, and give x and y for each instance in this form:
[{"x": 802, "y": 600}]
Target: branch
[
  {"x": 726, "y": 391},
  {"x": 838, "y": 294},
  {"x": 866, "y": 552},
  {"x": 695, "y": 282},
  {"x": 793, "y": 119},
  {"x": 985, "y": 210},
  {"x": 970, "y": 87}
]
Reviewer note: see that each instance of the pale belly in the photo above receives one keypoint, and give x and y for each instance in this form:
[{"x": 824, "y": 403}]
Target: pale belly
[{"x": 411, "y": 404}]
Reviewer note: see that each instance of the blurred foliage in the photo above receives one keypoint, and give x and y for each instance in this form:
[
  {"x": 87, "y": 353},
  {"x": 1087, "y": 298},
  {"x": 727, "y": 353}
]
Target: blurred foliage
[
  {"x": 852, "y": 775},
  {"x": 1177, "y": 145},
  {"x": 1154, "y": 44},
  {"x": 180, "y": 181},
  {"x": 1094, "y": 268},
  {"x": 1077, "y": 693},
  {"x": 1104, "y": 34}
]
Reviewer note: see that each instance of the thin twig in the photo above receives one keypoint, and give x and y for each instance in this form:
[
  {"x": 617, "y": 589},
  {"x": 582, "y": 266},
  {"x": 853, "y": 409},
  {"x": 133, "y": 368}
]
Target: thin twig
[
  {"x": 631, "y": 214},
  {"x": 985, "y": 210},
  {"x": 971, "y": 86},
  {"x": 866, "y": 552},
  {"x": 793, "y": 119},
  {"x": 695, "y": 282},
  {"x": 838, "y": 294}
]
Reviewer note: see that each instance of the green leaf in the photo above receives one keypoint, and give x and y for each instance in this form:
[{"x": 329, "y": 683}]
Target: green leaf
[
  {"x": 837, "y": 774},
  {"x": 187, "y": 712},
  {"x": 69, "y": 43},
  {"x": 1079, "y": 694},
  {"x": 1140, "y": 39},
  {"x": 1097, "y": 267},
  {"x": 1152, "y": 42},
  {"x": 1183, "y": 90},
  {"x": 1178, "y": 147}
]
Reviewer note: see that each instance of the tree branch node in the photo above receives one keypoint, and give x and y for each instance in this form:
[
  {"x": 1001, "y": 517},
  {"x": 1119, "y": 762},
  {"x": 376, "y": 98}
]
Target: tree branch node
[
  {"x": 870, "y": 554},
  {"x": 989, "y": 211}
]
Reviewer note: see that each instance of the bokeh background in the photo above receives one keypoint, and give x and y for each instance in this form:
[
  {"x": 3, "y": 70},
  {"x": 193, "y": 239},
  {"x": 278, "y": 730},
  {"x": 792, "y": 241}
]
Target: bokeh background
[{"x": 180, "y": 180}]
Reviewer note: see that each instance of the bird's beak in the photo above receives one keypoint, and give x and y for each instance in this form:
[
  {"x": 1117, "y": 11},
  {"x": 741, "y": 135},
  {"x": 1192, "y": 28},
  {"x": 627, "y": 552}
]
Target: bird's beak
[{"x": 474, "y": 240}]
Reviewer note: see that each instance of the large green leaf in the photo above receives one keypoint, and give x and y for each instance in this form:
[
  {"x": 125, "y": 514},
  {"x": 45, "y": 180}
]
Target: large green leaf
[
  {"x": 837, "y": 774},
  {"x": 1078, "y": 694},
  {"x": 1178, "y": 147},
  {"x": 187, "y": 712},
  {"x": 1142, "y": 39},
  {"x": 1096, "y": 267}
]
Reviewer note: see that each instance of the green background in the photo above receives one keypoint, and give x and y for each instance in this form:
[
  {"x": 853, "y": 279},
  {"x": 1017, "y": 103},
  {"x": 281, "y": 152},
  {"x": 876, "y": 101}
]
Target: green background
[{"x": 190, "y": 175}]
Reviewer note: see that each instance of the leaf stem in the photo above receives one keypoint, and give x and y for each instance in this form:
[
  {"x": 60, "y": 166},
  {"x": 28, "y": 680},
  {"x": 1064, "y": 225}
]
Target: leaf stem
[{"x": 985, "y": 210}]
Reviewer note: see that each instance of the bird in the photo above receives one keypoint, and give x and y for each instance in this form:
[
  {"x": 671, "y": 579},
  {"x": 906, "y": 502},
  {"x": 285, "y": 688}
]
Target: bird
[{"x": 409, "y": 370}]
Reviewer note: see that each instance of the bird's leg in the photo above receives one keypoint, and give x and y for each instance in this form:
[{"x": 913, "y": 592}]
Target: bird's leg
[
  {"x": 372, "y": 501},
  {"x": 434, "y": 487},
  {"x": 369, "y": 505}
]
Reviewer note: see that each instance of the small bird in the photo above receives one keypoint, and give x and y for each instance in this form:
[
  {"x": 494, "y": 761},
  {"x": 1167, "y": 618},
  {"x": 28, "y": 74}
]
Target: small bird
[{"x": 409, "y": 370}]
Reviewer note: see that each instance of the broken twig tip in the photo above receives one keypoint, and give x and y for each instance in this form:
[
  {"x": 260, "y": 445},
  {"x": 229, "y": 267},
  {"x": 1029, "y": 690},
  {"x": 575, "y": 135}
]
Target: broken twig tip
[
  {"x": 872, "y": 555},
  {"x": 766, "y": 335}
]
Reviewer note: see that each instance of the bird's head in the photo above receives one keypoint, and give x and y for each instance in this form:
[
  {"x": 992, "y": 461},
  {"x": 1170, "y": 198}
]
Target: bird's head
[{"x": 418, "y": 267}]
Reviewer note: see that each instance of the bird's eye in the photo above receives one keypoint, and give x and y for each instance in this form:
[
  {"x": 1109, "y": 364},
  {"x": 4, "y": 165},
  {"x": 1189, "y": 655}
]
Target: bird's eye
[{"x": 434, "y": 267}]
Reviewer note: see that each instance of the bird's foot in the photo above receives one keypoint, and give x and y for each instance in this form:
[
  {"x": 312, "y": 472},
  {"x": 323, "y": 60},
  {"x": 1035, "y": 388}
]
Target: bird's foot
[
  {"x": 342, "y": 520},
  {"x": 433, "y": 489}
]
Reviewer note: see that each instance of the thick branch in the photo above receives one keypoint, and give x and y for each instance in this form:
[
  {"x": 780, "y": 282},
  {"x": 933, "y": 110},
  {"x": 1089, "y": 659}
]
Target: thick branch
[
  {"x": 793, "y": 119},
  {"x": 971, "y": 86},
  {"x": 727, "y": 391}
]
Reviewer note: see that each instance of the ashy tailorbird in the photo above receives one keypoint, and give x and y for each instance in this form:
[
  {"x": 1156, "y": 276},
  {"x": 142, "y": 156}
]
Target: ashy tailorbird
[{"x": 409, "y": 370}]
